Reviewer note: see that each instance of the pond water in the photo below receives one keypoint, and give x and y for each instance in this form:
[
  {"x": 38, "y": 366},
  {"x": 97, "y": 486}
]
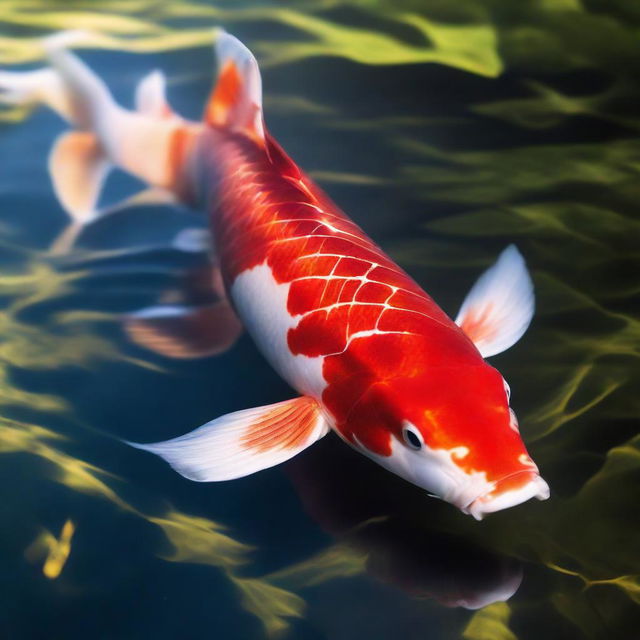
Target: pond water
[{"x": 447, "y": 131}]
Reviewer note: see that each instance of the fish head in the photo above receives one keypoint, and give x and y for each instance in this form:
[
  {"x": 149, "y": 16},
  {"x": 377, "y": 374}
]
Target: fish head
[{"x": 452, "y": 432}]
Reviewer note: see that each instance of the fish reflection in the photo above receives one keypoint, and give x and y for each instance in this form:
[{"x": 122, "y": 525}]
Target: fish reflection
[{"x": 359, "y": 505}]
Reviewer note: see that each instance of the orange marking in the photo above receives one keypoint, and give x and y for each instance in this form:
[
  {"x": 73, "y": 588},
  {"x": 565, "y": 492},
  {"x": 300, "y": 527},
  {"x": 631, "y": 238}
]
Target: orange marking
[
  {"x": 229, "y": 105},
  {"x": 477, "y": 326},
  {"x": 513, "y": 482},
  {"x": 179, "y": 147},
  {"x": 287, "y": 426},
  {"x": 225, "y": 96}
]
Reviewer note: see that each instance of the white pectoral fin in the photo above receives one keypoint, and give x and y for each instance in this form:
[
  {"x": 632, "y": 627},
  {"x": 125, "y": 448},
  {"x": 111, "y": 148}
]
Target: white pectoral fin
[
  {"x": 499, "y": 308},
  {"x": 241, "y": 443}
]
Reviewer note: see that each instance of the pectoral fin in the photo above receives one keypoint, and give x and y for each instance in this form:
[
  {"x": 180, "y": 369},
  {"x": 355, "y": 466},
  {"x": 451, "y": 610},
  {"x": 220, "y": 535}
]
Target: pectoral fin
[
  {"x": 244, "y": 442},
  {"x": 499, "y": 308}
]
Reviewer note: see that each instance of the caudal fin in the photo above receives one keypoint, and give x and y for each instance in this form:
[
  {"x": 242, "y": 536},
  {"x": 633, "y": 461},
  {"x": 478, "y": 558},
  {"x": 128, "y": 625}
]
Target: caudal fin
[
  {"x": 151, "y": 143},
  {"x": 140, "y": 143},
  {"x": 31, "y": 88},
  {"x": 78, "y": 162}
]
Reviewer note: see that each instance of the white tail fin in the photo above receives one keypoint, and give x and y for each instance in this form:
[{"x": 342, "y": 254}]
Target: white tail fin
[
  {"x": 136, "y": 142},
  {"x": 42, "y": 86},
  {"x": 152, "y": 143},
  {"x": 89, "y": 100}
]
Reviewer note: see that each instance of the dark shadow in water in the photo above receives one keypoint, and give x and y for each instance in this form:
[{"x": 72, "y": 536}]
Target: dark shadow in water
[{"x": 385, "y": 518}]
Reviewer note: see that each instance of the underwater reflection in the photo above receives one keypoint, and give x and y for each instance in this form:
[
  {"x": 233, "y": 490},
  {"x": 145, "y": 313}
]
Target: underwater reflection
[{"x": 394, "y": 527}]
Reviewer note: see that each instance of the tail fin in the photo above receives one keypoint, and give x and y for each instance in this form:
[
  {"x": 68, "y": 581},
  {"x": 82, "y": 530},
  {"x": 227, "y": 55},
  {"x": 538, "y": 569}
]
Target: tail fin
[
  {"x": 151, "y": 143},
  {"x": 78, "y": 163},
  {"x": 236, "y": 100},
  {"x": 88, "y": 98},
  {"x": 139, "y": 143},
  {"x": 42, "y": 86}
]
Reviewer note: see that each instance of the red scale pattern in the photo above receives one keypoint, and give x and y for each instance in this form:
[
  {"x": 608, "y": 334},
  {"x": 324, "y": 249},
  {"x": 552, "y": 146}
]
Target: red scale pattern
[{"x": 380, "y": 334}]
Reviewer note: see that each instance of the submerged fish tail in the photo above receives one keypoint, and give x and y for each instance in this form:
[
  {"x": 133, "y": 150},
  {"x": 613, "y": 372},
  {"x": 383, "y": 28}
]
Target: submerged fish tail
[{"x": 150, "y": 143}]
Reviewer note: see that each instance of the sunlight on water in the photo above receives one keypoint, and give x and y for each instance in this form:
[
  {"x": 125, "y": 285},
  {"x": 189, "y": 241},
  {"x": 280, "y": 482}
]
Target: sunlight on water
[
  {"x": 339, "y": 561},
  {"x": 549, "y": 107},
  {"x": 471, "y": 47},
  {"x": 527, "y": 135},
  {"x": 272, "y": 605},
  {"x": 491, "y": 623},
  {"x": 55, "y": 550},
  {"x": 193, "y": 539}
]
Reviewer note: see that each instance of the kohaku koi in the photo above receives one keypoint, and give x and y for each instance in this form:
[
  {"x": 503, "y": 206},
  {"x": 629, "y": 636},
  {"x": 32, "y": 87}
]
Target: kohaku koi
[{"x": 372, "y": 355}]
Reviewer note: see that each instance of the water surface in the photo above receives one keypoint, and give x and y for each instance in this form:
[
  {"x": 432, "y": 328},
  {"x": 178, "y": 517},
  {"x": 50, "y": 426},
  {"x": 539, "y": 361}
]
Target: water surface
[{"x": 447, "y": 132}]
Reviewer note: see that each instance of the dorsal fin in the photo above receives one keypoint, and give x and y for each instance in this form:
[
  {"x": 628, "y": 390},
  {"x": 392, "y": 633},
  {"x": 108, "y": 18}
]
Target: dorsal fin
[
  {"x": 150, "y": 98},
  {"x": 236, "y": 99}
]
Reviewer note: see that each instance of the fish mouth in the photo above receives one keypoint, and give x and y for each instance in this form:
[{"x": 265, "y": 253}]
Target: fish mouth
[{"x": 509, "y": 491}]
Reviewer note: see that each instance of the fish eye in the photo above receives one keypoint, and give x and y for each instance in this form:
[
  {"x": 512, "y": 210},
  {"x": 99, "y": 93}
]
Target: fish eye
[
  {"x": 507, "y": 389},
  {"x": 412, "y": 438}
]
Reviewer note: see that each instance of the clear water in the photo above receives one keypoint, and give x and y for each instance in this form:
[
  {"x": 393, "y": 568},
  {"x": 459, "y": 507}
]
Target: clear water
[{"x": 446, "y": 130}]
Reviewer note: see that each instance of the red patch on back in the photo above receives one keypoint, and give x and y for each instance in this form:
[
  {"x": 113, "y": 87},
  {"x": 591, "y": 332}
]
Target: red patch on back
[
  {"x": 304, "y": 295},
  {"x": 349, "y": 289},
  {"x": 373, "y": 292},
  {"x": 319, "y": 333},
  {"x": 352, "y": 267}
]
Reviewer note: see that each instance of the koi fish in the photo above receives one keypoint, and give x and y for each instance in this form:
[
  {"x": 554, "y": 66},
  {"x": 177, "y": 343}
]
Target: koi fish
[{"x": 371, "y": 354}]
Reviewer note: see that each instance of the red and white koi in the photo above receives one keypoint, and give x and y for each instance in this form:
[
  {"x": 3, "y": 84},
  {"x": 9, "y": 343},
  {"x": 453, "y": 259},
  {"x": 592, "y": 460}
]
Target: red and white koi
[{"x": 372, "y": 355}]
